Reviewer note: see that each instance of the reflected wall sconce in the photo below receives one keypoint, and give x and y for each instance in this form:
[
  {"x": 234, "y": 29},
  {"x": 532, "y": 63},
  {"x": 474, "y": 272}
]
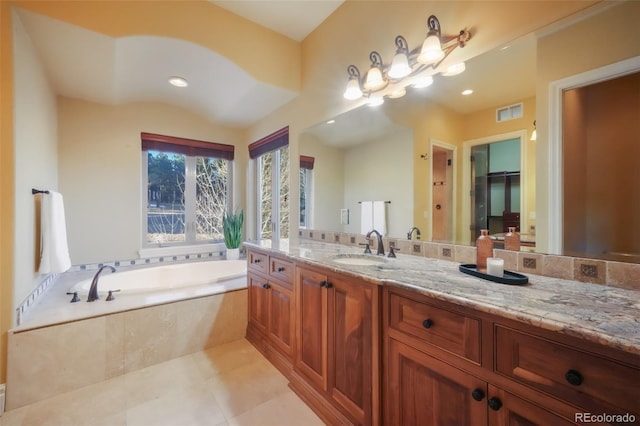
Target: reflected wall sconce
[
  {"x": 534, "y": 134},
  {"x": 414, "y": 68}
]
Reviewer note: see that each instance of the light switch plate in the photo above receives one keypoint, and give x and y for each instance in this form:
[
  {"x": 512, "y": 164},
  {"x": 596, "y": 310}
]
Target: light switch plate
[{"x": 344, "y": 216}]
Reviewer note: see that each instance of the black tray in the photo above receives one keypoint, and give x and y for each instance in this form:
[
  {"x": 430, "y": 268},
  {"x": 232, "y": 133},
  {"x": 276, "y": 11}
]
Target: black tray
[{"x": 507, "y": 278}]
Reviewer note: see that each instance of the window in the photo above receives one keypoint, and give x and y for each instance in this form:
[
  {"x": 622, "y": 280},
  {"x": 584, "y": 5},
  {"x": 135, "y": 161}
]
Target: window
[
  {"x": 306, "y": 174},
  {"x": 271, "y": 155},
  {"x": 187, "y": 190}
]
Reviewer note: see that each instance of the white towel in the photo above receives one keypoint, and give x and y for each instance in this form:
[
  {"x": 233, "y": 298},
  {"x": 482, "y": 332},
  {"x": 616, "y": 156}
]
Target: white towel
[
  {"x": 54, "y": 254},
  {"x": 380, "y": 217},
  {"x": 366, "y": 217}
]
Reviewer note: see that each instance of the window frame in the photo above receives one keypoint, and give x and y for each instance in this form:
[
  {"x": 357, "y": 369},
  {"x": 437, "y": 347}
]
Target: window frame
[
  {"x": 191, "y": 149},
  {"x": 273, "y": 144}
]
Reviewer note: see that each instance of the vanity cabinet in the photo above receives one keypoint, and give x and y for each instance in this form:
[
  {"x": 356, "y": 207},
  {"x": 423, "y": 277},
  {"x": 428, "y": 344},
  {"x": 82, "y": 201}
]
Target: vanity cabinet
[
  {"x": 446, "y": 364},
  {"x": 337, "y": 348},
  {"x": 271, "y": 313}
]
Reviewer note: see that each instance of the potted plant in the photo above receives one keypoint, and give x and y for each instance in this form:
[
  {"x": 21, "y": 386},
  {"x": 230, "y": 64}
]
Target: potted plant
[{"x": 232, "y": 230}]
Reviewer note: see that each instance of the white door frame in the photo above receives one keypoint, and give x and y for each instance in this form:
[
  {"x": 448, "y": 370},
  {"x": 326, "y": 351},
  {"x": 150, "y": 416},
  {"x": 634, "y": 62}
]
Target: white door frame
[
  {"x": 466, "y": 176},
  {"x": 554, "y": 161}
]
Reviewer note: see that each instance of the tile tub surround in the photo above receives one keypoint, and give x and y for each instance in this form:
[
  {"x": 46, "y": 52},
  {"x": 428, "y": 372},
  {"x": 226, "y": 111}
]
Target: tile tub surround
[
  {"x": 46, "y": 361},
  {"x": 597, "y": 313},
  {"x": 54, "y": 308},
  {"x": 617, "y": 274}
]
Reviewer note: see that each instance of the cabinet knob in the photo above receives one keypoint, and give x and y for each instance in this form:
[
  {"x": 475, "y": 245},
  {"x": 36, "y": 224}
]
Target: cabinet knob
[
  {"x": 256, "y": 260},
  {"x": 427, "y": 323},
  {"x": 266, "y": 286},
  {"x": 494, "y": 403},
  {"x": 574, "y": 377},
  {"x": 326, "y": 284},
  {"x": 280, "y": 268},
  {"x": 477, "y": 394}
]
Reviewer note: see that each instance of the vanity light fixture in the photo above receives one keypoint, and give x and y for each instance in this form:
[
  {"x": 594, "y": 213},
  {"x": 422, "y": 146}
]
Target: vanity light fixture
[
  {"x": 409, "y": 67},
  {"x": 534, "y": 134},
  {"x": 178, "y": 81}
]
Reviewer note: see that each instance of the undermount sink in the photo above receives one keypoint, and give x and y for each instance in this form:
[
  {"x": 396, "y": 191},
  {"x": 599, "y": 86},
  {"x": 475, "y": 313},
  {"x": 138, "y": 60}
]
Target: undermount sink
[{"x": 358, "y": 259}]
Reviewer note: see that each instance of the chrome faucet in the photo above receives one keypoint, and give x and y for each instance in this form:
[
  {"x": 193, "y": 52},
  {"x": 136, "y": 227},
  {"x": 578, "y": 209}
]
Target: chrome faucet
[
  {"x": 93, "y": 290},
  {"x": 380, "y": 245},
  {"x": 411, "y": 232}
]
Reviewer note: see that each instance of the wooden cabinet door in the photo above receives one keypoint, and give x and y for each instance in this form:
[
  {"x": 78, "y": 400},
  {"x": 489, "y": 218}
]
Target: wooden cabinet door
[
  {"x": 312, "y": 327},
  {"x": 258, "y": 302},
  {"x": 351, "y": 346},
  {"x": 509, "y": 410},
  {"x": 281, "y": 318},
  {"x": 424, "y": 391}
]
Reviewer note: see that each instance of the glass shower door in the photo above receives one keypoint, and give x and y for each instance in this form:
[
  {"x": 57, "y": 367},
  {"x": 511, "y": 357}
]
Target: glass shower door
[{"x": 479, "y": 184}]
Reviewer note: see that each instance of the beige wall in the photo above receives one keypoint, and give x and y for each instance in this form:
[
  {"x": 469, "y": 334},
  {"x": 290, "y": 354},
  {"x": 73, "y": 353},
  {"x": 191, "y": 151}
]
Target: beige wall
[
  {"x": 571, "y": 51},
  {"x": 100, "y": 170},
  {"x": 328, "y": 182},
  {"x": 36, "y": 147},
  {"x": 378, "y": 171},
  {"x": 7, "y": 189}
]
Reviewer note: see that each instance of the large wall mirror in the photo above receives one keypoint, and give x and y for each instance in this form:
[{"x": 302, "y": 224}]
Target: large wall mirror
[
  {"x": 410, "y": 152},
  {"x": 451, "y": 164}
]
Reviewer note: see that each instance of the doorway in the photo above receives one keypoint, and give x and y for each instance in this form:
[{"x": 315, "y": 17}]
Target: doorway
[
  {"x": 494, "y": 179},
  {"x": 442, "y": 192}
]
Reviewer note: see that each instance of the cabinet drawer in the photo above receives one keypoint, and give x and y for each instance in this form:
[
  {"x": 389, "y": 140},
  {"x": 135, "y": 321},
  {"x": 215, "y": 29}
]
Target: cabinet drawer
[
  {"x": 451, "y": 331},
  {"x": 258, "y": 261},
  {"x": 567, "y": 372},
  {"x": 281, "y": 269}
]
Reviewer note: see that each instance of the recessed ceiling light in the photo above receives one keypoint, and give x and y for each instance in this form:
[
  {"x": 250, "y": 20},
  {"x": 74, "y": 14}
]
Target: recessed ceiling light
[
  {"x": 398, "y": 93},
  {"x": 178, "y": 81},
  {"x": 423, "y": 82},
  {"x": 331, "y": 121},
  {"x": 467, "y": 92},
  {"x": 376, "y": 101},
  {"x": 455, "y": 69}
]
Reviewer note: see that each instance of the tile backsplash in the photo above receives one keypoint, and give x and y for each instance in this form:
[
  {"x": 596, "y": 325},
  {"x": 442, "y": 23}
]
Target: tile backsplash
[{"x": 616, "y": 274}]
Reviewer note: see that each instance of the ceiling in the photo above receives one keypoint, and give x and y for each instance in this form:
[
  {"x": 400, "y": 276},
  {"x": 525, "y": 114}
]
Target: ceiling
[
  {"x": 292, "y": 18},
  {"x": 87, "y": 65}
]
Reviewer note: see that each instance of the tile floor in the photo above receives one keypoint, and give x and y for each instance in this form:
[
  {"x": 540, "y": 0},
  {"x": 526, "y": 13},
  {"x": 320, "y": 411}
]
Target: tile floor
[{"x": 231, "y": 384}]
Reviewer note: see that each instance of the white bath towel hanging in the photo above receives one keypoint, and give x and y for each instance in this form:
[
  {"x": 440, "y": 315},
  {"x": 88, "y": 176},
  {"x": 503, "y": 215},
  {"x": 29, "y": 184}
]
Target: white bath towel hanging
[
  {"x": 366, "y": 216},
  {"x": 380, "y": 217},
  {"x": 54, "y": 253}
]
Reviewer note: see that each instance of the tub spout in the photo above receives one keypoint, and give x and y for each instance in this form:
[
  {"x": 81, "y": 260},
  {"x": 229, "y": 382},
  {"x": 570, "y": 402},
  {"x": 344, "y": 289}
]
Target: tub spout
[{"x": 93, "y": 290}]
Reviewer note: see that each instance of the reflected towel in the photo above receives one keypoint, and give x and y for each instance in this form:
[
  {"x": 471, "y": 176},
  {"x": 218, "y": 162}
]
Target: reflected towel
[
  {"x": 54, "y": 254},
  {"x": 380, "y": 217},
  {"x": 366, "y": 217}
]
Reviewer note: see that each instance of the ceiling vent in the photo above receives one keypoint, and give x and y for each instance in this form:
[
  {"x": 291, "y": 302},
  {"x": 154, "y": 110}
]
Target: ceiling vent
[{"x": 509, "y": 112}]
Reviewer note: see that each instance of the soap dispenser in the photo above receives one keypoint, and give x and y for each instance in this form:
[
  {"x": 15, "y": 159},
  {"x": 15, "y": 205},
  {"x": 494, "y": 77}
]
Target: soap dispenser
[
  {"x": 484, "y": 250},
  {"x": 512, "y": 239}
]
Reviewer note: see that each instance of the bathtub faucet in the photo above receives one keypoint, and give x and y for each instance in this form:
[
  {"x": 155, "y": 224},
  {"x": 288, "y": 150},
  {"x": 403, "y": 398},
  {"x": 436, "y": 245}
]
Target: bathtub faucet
[{"x": 93, "y": 290}]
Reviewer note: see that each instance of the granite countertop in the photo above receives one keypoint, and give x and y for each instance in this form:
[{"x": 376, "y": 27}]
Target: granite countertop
[{"x": 597, "y": 313}]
